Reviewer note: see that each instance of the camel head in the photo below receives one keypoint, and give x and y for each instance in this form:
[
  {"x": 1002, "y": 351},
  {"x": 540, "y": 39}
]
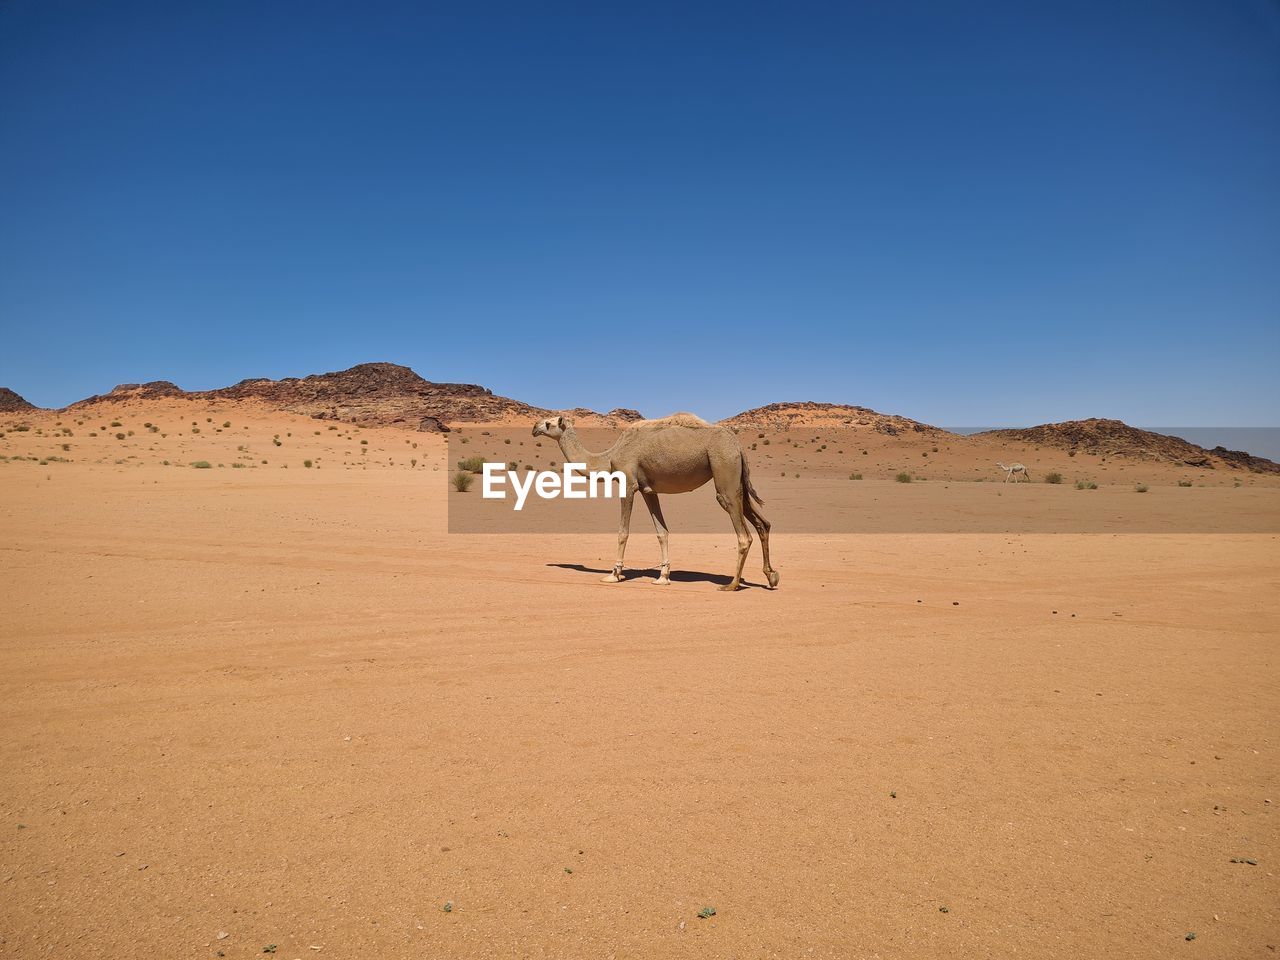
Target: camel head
[{"x": 552, "y": 427}]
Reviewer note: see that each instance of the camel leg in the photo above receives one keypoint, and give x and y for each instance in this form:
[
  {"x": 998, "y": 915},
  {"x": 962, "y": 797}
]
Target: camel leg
[
  {"x": 733, "y": 506},
  {"x": 624, "y": 530},
  {"x": 660, "y": 525},
  {"x": 762, "y": 527}
]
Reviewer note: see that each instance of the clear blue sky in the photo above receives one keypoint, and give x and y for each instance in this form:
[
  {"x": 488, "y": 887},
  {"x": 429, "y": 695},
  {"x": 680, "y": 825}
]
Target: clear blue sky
[{"x": 964, "y": 212}]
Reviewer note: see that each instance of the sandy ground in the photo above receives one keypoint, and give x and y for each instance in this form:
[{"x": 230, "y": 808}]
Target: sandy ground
[{"x": 269, "y": 706}]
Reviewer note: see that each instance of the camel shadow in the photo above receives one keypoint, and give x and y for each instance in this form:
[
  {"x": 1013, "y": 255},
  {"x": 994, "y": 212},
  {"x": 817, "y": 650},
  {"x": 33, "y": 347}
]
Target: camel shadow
[{"x": 677, "y": 576}]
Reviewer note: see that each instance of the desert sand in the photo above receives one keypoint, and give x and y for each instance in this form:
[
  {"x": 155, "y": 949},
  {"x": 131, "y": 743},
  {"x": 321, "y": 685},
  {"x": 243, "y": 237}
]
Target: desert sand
[{"x": 280, "y": 707}]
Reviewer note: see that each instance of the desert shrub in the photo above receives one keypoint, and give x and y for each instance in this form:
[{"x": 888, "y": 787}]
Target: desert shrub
[
  {"x": 1086, "y": 485},
  {"x": 237, "y": 465},
  {"x": 278, "y": 442},
  {"x": 903, "y": 477},
  {"x": 21, "y": 428},
  {"x": 1053, "y": 477},
  {"x": 202, "y": 465},
  {"x": 308, "y": 464},
  {"x": 462, "y": 481},
  {"x": 855, "y": 476},
  {"x": 1181, "y": 483},
  {"x": 227, "y": 423},
  {"x": 119, "y": 436},
  {"x": 471, "y": 464},
  {"x": 67, "y": 446},
  {"x": 1140, "y": 488},
  {"x": 116, "y": 423}
]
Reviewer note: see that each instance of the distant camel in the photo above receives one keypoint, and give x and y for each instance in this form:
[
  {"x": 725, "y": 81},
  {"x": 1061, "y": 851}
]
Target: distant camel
[
  {"x": 673, "y": 455},
  {"x": 1014, "y": 470}
]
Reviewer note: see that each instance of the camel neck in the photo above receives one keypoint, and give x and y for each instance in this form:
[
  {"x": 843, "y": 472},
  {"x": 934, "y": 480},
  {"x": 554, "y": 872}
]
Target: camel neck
[{"x": 575, "y": 452}]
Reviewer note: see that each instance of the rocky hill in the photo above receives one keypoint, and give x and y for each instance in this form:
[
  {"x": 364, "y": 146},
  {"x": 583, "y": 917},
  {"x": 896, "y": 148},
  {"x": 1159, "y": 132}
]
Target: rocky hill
[
  {"x": 783, "y": 416},
  {"x": 1114, "y": 438},
  {"x": 124, "y": 392},
  {"x": 377, "y": 394},
  {"x": 11, "y": 402}
]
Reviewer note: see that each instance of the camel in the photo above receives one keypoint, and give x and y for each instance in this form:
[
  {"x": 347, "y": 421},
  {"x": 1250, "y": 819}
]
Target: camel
[
  {"x": 673, "y": 455},
  {"x": 1014, "y": 470}
]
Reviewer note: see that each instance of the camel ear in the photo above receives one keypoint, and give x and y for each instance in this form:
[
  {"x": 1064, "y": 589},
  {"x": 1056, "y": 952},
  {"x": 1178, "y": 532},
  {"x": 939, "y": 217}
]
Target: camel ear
[{"x": 562, "y": 423}]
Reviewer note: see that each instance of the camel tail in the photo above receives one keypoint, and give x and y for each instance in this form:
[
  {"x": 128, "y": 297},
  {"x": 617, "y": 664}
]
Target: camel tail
[{"x": 746, "y": 482}]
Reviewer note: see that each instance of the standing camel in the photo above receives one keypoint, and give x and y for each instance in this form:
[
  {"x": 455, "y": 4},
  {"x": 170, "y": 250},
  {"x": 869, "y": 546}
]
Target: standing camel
[
  {"x": 673, "y": 455},
  {"x": 1014, "y": 470}
]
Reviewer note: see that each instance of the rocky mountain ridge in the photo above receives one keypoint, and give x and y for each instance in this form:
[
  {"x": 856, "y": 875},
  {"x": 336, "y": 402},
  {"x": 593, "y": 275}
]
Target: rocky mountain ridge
[
  {"x": 11, "y": 402},
  {"x": 1115, "y": 438},
  {"x": 389, "y": 394},
  {"x": 374, "y": 394},
  {"x": 807, "y": 413}
]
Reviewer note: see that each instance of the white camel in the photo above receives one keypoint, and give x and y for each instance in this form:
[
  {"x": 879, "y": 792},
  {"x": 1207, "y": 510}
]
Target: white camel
[{"x": 1014, "y": 470}]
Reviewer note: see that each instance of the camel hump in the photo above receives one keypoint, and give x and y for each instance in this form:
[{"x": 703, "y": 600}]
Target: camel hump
[{"x": 675, "y": 420}]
